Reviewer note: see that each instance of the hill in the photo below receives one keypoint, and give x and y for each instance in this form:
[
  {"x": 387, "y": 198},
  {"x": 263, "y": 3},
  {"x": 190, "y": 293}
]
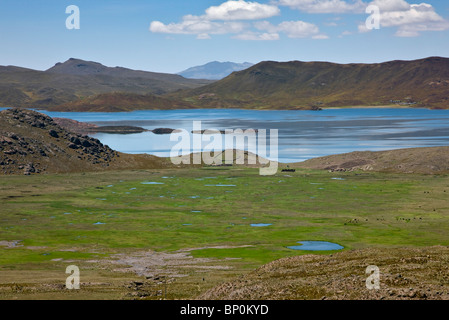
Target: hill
[
  {"x": 119, "y": 102},
  {"x": 76, "y": 79},
  {"x": 214, "y": 70},
  {"x": 406, "y": 274},
  {"x": 312, "y": 85},
  {"x": 433, "y": 160},
  {"x": 31, "y": 142}
]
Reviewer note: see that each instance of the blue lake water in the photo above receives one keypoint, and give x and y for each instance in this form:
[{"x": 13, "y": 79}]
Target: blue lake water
[
  {"x": 316, "y": 246},
  {"x": 302, "y": 134}
]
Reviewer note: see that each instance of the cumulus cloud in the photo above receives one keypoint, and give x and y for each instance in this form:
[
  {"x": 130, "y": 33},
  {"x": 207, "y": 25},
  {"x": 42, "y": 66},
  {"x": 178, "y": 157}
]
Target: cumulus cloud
[
  {"x": 391, "y": 5},
  {"x": 245, "y": 19},
  {"x": 231, "y": 17},
  {"x": 241, "y": 10},
  {"x": 325, "y": 6},
  {"x": 409, "y": 19},
  {"x": 254, "y": 36},
  {"x": 293, "y": 29},
  {"x": 202, "y": 28},
  {"x": 223, "y": 19}
]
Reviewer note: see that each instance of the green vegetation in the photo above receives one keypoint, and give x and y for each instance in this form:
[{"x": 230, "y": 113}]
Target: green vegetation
[{"x": 60, "y": 212}]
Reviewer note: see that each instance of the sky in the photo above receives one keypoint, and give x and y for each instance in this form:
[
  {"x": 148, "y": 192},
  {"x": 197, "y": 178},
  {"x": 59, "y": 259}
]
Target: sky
[{"x": 173, "y": 35}]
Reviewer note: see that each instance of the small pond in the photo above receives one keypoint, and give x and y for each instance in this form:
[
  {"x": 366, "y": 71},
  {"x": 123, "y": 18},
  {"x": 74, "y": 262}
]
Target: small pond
[
  {"x": 151, "y": 182},
  {"x": 316, "y": 246}
]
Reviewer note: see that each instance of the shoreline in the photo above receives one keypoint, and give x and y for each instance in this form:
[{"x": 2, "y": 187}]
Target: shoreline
[
  {"x": 246, "y": 109},
  {"x": 374, "y": 107}
]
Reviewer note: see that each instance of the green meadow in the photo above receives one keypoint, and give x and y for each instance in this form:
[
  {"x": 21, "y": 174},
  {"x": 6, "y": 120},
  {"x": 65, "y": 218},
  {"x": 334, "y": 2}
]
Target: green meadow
[{"x": 93, "y": 215}]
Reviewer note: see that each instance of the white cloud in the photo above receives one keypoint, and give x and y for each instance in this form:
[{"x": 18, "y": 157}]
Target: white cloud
[
  {"x": 293, "y": 29},
  {"x": 391, "y": 5},
  {"x": 234, "y": 16},
  {"x": 320, "y": 37},
  {"x": 202, "y": 28},
  {"x": 229, "y": 17},
  {"x": 325, "y": 6},
  {"x": 409, "y": 19},
  {"x": 298, "y": 29},
  {"x": 250, "y": 35},
  {"x": 241, "y": 10},
  {"x": 203, "y": 36},
  {"x": 223, "y": 19}
]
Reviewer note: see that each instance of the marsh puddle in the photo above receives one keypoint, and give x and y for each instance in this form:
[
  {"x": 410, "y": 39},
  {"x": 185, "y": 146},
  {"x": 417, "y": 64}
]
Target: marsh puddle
[
  {"x": 99, "y": 223},
  {"x": 260, "y": 224},
  {"x": 337, "y": 179},
  {"x": 151, "y": 182},
  {"x": 316, "y": 246},
  {"x": 220, "y": 185}
]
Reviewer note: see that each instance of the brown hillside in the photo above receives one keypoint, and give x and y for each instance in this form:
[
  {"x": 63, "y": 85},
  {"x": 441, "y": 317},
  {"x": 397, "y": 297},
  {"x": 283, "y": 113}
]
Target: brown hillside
[
  {"x": 311, "y": 85},
  {"x": 76, "y": 79},
  {"x": 119, "y": 102},
  {"x": 433, "y": 160}
]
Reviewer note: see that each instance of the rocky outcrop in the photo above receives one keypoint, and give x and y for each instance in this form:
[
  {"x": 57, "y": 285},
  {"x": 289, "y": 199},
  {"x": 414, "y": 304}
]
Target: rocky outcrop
[{"x": 31, "y": 142}]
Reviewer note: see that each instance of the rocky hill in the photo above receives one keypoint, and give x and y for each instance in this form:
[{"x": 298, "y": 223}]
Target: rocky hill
[
  {"x": 313, "y": 85},
  {"x": 32, "y": 143},
  {"x": 406, "y": 274}
]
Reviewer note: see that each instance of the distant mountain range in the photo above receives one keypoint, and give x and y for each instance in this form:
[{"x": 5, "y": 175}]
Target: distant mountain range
[
  {"x": 214, "y": 70},
  {"x": 78, "y": 85},
  {"x": 312, "y": 85},
  {"x": 76, "y": 79}
]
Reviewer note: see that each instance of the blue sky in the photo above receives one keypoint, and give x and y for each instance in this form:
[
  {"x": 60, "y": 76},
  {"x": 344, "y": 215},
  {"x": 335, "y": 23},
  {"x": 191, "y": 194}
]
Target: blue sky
[{"x": 173, "y": 35}]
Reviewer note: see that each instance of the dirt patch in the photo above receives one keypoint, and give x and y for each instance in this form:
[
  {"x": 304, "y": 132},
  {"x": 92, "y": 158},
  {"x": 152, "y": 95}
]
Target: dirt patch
[
  {"x": 11, "y": 244},
  {"x": 152, "y": 264}
]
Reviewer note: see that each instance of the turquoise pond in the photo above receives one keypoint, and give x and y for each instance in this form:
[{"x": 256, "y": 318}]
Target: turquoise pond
[{"x": 316, "y": 246}]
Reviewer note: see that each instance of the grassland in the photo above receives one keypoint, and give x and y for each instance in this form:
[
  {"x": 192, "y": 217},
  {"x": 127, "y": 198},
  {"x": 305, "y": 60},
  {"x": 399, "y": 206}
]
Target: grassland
[{"x": 94, "y": 220}]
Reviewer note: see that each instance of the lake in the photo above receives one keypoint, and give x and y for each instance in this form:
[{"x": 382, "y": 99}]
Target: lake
[{"x": 302, "y": 134}]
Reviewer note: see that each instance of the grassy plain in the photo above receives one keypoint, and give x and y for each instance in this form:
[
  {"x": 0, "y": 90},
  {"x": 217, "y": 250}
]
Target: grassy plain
[{"x": 206, "y": 213}]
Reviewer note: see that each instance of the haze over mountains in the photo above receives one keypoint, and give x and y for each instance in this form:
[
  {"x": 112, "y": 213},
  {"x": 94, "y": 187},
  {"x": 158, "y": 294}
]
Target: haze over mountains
[
  {"x": 214, "y": 70},
  {"x": 78, "y": 85}
]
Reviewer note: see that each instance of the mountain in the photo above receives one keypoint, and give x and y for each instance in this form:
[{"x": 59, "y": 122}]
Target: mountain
[
  {"x": 76, "y": 79},
  {"x": 310, "y": 85},
  {"x": 214, "y": 70},
  {"x": 121, "y": 102}
]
